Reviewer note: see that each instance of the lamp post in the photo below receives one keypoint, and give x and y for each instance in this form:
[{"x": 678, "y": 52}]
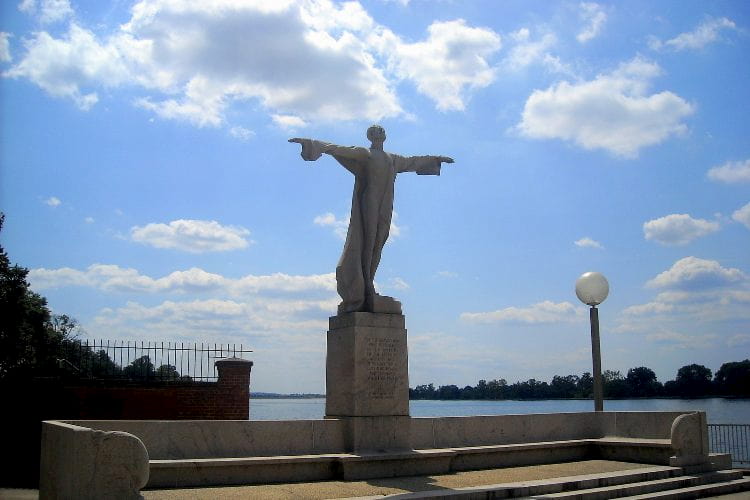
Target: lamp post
[{"x": 592, "y": 288}]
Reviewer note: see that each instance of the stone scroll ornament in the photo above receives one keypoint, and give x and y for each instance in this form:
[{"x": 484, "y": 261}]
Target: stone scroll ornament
[{"x": 372, "y": 208}]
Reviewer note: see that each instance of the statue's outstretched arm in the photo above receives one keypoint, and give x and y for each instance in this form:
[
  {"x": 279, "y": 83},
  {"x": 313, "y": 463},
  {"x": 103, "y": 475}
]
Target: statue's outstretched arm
[
  {"x": 349, "y": 156},
  {"x": 312, "y": 149},
  {"x": 422, "y": 165}
]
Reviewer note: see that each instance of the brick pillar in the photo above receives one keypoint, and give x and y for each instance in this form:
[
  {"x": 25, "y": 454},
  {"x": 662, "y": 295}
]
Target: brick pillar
[{"x": 234, "y": 383}]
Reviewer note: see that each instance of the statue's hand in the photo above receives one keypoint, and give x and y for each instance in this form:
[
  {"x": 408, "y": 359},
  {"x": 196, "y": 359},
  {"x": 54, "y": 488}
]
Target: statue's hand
[{"x": 446, "y": 159}]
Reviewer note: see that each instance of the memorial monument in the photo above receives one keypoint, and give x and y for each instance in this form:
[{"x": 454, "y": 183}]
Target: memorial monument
[
  {"x": 367, "y": 379},
  {"x": 367, "y": 432}
]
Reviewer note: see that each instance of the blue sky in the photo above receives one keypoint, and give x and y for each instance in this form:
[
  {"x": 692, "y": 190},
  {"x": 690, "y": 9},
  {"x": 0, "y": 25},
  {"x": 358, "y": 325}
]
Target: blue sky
[{"x": 148, "y": 184}]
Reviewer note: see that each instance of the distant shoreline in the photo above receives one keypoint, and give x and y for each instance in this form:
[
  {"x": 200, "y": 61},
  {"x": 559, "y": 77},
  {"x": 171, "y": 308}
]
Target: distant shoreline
[{"x": 271, "y": 395}]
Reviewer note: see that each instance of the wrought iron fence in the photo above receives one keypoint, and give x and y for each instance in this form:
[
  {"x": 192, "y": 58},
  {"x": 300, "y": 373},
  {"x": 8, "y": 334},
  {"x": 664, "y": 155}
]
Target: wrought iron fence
[
  {"x": 144, "y": 361},
  {"x": 730, "y": 438}
]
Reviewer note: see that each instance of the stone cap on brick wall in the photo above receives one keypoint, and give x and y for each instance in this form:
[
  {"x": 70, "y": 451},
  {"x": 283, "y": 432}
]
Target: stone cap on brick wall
[{"x": 232, "y": 362}]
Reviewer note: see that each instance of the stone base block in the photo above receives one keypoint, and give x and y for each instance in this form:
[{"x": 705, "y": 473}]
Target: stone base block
[
  {"x": 367, "y": 369},
  {"x": 410, "y": 463},
  {"x": 377, "y": 434}
]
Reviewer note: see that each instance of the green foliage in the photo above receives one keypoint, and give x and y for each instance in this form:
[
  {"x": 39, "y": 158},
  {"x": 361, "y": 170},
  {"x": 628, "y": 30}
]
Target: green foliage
[
  {"x": 562, "y": 387},
  {"x": 642, "y": 382},
  {"x": 34, "y": 342},
  {"x": 734, "y": 379},
  {"x": 693, "y": 381},
  {"x": 585, "y": 388},
  {"x": 30, "y": 336},
  {"x": 140, "y": 369}
]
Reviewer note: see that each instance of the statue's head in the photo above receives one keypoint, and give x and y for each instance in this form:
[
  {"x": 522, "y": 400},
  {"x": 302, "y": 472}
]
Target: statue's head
[{"x": 376, "y": 133}]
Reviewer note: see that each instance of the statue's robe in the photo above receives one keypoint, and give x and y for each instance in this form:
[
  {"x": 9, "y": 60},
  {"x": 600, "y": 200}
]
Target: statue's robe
[{"x": 372, "y": 208}]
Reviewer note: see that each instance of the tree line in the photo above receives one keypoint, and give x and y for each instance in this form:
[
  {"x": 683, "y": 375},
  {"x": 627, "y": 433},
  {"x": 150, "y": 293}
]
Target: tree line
[{"x": 691, "y": 381}]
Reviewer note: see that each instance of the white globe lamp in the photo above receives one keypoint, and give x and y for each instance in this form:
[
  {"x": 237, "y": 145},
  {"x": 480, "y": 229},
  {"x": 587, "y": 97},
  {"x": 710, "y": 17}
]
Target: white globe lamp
[{"x": 592, "y": 289}]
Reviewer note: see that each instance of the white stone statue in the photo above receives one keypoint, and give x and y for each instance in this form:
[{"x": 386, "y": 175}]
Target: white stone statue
[{"x": 372, "y": 208}]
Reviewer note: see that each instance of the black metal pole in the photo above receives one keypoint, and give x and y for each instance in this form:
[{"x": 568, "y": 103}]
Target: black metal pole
[{"x": 597, "y": 358}]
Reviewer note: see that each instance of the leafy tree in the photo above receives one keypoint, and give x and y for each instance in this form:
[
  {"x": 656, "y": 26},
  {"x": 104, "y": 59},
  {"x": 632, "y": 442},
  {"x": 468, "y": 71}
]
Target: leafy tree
[
  {"x": 481, "y": 391},
  {"x": 141, "y": 368},
  {"x": 615, "y": 385},
  {"x": 564, "y": 387},
  {"x": 423, "y": 392},
  {"x": 642, "y": 382},
  {"x": 693, "y": 381},
  {"x": 497, "y": 389},
  {"x": 585, "y": 387},
  {"x": 448, "y": 392},
  {"x": 530, "y": 389},
  {"x": 733, "y": 379},
  {"x": 30, "y": 336},
  {"x": 167, "y": 372},
  {"x": 670, "y": 388}
]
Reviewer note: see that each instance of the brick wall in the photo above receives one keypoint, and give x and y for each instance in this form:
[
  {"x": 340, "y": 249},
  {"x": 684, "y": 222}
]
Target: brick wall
[{"x": 226, "y": 399}]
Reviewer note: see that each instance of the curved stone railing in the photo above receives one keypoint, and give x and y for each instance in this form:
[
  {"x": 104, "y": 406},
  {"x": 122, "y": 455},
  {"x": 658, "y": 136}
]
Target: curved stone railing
[{"x": 82, "y": 463}]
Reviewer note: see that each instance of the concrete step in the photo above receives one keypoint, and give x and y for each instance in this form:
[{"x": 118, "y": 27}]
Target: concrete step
[
  {"x": 646, "y": 483},
  {"x": 647, "y": 488},
  {"x": 544, "y": 488},
  {"x": 701, "y": 491}
]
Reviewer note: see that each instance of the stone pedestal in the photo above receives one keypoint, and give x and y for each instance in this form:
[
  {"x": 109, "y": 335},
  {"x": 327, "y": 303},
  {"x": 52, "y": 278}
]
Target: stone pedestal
[{"x": 367, "y": 379}]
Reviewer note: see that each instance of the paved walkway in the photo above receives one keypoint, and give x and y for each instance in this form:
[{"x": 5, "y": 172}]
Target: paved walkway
[
  {"x": 379, "y": 487},
  {"x": 390, "y": 486}
]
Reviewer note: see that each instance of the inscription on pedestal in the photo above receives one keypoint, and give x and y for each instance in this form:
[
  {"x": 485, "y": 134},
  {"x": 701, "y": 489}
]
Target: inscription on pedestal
[
  {"x": 382, "y": 375},
  {"x": 367, "y": 366}
]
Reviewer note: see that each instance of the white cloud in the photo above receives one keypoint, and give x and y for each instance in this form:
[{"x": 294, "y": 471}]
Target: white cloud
[
  {"x": 677, "y": 340},
  {"x": 697, "y": 296},
  {"x": 541, "y": 312},
  {"x": 612, "y": 112},
  {"x": 218, "y": 320},
  {"x": 203, "y": 104},
  {"x": 677, "y": 229},
  {"x": 692, "y": 273},
  {"x": 650, "y": 308},
  {"x": 195, "y": 236},
  {"x": 706, "y": 33},
  {"x": 5, "y": 47},
  {"x": 692, "y": 308},
  {"x": 288, "y": 121},
  {"x": 311, "y": 61},
  {"x": 742, "y": 215},
  {"x": 398, "y": 284},
  {"x": 241, "y": 133},
  {"x": 61, "y": 66},
  {"x": 341, "y": 226},
  {"x": 731, "y": 172},
  {"x": 47, "y": 11},
  {"x": 447, "y": 274},
  {"x": 526, "y": 51},
  {"x": 587, "y": 242},
  {"x": 113, "y": 278},
  {"x": 53, "y": 201},
  {"x": 193, "y": 57},
  {"x": 395, "y": 230},
  {"x": 454, "y": 57},
  {"x": 595, "y": 17},
  {"x": 89, "y": 220}
]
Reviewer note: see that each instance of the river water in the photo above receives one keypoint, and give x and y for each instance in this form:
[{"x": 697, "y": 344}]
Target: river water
[{"x": 718, "y": 410}]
